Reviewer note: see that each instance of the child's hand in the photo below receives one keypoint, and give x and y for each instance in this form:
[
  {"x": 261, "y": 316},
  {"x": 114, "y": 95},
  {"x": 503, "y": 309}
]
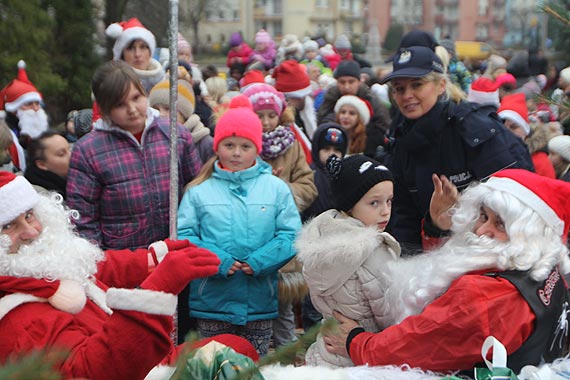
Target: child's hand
[
  {"x": 245, "y": 268},
  {"x": 236, "y": 266},
  {"x": 277, "y": 172},
  {"x": 444, "y": 197}
]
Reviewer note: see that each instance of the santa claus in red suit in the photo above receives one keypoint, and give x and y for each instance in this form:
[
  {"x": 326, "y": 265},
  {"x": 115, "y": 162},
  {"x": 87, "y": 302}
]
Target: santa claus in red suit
[
  {"x": 110, "y": 311},
  {"x": 500, "y": 274}
]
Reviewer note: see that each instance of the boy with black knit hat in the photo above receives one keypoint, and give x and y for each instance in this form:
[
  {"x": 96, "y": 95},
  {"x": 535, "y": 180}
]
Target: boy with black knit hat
[{"x": 344, "y": 251}]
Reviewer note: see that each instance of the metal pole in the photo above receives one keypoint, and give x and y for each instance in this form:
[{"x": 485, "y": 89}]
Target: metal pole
[{"x": 173, "y": 38}]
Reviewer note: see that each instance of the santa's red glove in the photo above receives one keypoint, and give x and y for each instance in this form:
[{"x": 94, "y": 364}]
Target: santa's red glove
[
  {"x": 180, "y": 267},
  {"x": 160, "y": 248}
]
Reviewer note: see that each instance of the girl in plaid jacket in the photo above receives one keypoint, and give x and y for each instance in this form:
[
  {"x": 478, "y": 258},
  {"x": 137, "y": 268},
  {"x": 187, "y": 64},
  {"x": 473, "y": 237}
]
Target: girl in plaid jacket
[{"x": 119, "y": 173}]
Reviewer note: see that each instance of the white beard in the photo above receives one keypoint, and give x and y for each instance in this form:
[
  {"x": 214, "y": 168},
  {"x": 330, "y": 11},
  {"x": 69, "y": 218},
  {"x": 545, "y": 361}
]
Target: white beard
[
  {"x": 57, "y": 254},
  {"x": 32, "y": 123},
  {"x": 417, "y": 281}
]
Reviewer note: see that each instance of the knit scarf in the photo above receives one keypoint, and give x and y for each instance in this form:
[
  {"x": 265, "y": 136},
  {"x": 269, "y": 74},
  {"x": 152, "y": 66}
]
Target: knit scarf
[{"x": 276, "y": 142}]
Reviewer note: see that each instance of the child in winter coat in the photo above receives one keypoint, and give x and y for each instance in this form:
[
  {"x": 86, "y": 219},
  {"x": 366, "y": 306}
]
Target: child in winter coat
[
  {"x": 247, "y": 216},
  {"x": 344, "y": 251},
  {"x": 119, "y": 174},
  {"x": 329, "y": 139},
  {"x": 280, "y": 148},
  {"x": 265, "y": 50},
  {"x": 284, "y": 153},
  {"x": 239, "y": 51}
]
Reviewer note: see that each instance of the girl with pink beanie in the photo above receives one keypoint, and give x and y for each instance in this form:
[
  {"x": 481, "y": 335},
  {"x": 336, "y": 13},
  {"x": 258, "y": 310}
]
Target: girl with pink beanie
[
  {"x": 244, "y": 214},
  {"x": 284, "y": 153}
]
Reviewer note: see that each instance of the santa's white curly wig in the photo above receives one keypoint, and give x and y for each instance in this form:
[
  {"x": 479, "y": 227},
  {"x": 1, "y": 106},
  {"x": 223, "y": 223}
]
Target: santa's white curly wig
[
  {"x": 533, "y": 244},
  {"x": 58, "y": 253}
]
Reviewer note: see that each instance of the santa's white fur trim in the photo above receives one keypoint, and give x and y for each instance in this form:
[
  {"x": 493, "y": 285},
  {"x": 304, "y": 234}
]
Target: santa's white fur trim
[
  {"x": 161, "y": 372},
  {"x": 21, "y": 64},
  {"x": 143, "y": 300},
  {"x": 69, "y": 297},
  {"x": 277, "y": 372},
  {"x": 529, "y": 198},
  {"x": 16, "y": 197},
  {"x": 114, "y": 30},
  {"x": 160, "y": 249},
  {"x": 11, "y": 301},
  {"x": 25, "y": 98}
]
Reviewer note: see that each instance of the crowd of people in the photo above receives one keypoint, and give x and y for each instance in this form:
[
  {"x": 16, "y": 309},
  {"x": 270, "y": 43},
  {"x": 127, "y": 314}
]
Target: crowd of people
[{"x": 424, "y": 208}]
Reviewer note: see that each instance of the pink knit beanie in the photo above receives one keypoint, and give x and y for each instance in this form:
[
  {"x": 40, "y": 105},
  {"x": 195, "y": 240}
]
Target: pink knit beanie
[
  {"x": 239, "y": 121},
  {"x": 265, "y": 97}
]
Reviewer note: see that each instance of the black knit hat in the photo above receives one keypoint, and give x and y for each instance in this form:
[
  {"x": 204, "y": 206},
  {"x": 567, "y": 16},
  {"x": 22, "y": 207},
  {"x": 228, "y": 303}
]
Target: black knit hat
[
  {"x": 347, "y": 68},
  {"x": 353, "y": 176}
]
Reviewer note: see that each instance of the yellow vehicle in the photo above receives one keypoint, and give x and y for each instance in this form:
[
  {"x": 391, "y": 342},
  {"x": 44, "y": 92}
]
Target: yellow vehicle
[{"x": 473, "y": 50}]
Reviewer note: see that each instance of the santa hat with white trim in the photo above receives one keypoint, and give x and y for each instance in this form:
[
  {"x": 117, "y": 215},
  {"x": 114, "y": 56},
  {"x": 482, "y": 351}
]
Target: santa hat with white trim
[
  {"x": 16, "y": 196},
  {"x": 513, "y": 107},
  {"x": 362, "y": 106},
  {"x": 292, "y": 80},
  {"x": 19, "y": 92},
  {"x": 484, "y": 91},
  {"x": 549, "y": 198},
  {"x": 125, "y": 32}
]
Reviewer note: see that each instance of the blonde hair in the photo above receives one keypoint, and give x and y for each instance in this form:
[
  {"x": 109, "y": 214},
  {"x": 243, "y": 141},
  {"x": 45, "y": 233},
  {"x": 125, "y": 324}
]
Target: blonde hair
[
  {"x": 205, "y": 173},
  {"x": 217, "y": 89},
  {"x": 452, "y": 92}
]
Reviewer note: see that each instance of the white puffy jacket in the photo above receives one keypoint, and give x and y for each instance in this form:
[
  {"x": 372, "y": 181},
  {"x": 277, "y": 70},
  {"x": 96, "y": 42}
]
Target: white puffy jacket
[{"x": 344, "y": 265}]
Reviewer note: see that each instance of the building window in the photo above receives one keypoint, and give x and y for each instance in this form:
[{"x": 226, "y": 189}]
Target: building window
[
  {"x": 209, "y": 38},
  {"x": 322, "y": 3},
  {"x": 483, "y": 7}
]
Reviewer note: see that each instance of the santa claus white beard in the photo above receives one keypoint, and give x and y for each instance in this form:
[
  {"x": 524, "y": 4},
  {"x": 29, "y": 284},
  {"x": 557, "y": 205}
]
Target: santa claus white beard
[
  {"x": 416, "y": 281},
  {"x": 57, "y": 254},
  {"x": 32, "y": 123}
]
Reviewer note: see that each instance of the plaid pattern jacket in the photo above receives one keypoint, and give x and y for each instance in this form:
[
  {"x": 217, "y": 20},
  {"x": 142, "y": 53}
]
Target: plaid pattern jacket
[{"x": 121, "y": 187}]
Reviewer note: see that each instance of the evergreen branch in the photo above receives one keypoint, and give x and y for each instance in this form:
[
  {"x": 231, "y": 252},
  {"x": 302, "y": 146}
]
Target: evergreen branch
[
  {"x": 556, "y": 15},
  {"x": 38, "y": 365}
]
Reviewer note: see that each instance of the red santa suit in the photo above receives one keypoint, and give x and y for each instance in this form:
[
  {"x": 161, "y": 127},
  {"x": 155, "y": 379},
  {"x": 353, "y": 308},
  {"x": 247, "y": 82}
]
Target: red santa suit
[
  {"x": 119, "y": 334},
  {"x": 449, "y": 333}
]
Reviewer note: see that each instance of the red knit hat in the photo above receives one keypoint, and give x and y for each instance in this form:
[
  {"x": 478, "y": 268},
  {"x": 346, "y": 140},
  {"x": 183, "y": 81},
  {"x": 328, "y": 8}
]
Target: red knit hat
[
  {"x": 484, "y": 91},
  {"x": 16, "y": 196},
  {"x": 292, "y": 79},
  {"x": 125, "y": 32},
  {"x": 251, "y": 77},
  {"x": 19, "y": 92},
  {"x": 237, "y": 343},
  {"x": 513, "y": 107},
  {"x": 239, "y": 120},
  {"x": 549, "y": 198}
]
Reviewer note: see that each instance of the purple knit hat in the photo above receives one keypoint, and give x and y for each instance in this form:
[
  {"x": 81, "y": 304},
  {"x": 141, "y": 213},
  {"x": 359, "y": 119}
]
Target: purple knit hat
[{"x": 235, "y": 39}]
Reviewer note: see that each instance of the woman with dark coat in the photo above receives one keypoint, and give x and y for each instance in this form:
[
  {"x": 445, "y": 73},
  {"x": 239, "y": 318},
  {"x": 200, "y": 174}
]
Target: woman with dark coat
[{"x": 439, "y": 134}]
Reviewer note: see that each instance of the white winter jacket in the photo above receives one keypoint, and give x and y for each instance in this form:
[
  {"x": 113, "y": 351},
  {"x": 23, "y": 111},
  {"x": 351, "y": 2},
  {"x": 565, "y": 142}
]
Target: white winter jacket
[{"x": 344, "y": 265}]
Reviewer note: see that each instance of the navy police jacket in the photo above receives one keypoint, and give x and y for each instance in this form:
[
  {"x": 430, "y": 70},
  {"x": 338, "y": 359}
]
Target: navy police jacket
[{"x": 466, "y": 142}]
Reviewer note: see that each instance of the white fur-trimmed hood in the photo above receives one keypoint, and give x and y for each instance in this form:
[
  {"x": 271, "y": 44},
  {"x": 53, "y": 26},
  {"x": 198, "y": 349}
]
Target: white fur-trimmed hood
[{"x": 333, "y": 246}]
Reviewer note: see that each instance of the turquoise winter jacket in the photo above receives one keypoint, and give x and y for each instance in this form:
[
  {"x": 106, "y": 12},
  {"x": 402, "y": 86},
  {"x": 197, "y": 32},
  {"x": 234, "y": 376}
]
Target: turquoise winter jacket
[{"x": 247, "y": 216}]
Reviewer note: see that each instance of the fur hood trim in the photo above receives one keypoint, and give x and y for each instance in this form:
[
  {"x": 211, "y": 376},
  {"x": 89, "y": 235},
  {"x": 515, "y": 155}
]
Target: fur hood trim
[
  {"x": 335, "y": 240},
  {"x": 538, "y": 139}
]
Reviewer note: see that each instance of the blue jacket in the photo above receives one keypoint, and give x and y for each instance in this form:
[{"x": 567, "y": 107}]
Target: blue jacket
[
  {"x": 247, "y": 216},
  {"x": 466, "y": 142}
]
